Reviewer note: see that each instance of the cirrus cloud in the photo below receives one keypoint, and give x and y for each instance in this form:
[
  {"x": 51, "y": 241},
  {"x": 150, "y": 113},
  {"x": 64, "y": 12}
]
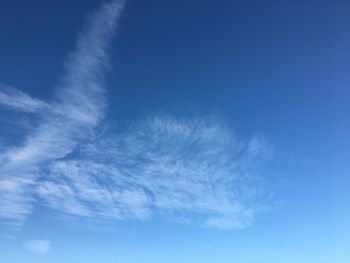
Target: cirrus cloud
[
  {"x": 191, "y": 169},
  {"x": 38, "y": 246}
]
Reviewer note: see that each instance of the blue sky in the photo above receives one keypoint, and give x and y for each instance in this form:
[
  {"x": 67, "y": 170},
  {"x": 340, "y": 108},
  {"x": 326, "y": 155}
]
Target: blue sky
[{"x": 174, "y": 131}]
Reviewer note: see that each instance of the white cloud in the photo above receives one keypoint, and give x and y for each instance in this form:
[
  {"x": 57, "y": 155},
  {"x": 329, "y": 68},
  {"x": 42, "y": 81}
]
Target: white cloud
[
  {"x": 38, "y": 246},
  {"x": 82, "y": 95},
  {"x": 193, "y": 169},
  {"x": 76, "y": 110},
  {"x": 17, "y": 100}
]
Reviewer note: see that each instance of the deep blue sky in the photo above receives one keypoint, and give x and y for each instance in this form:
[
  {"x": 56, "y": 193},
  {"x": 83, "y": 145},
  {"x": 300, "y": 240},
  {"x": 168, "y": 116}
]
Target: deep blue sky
[{"x": 273, "y": 68}]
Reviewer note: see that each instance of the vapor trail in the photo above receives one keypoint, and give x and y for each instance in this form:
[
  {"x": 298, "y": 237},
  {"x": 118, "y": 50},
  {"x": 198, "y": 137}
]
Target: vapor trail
[{"x": 77, "y": 108}]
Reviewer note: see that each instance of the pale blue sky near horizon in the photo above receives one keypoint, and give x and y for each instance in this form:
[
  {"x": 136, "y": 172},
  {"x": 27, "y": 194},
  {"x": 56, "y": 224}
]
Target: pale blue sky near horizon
[{"x": 218, "y": 132}]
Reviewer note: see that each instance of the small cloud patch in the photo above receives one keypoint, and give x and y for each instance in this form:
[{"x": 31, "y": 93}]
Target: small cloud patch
[{"x": 38, "y": 246}]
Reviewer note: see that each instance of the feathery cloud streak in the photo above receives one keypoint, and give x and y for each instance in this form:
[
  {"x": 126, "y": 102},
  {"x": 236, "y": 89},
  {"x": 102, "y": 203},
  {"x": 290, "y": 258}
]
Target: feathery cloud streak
[
  {"x": 189, "y": 169},
  {"x": 17, "y": 100},
  {"x": 77, "y": 109},
  {"x": 192, "y": 169}
]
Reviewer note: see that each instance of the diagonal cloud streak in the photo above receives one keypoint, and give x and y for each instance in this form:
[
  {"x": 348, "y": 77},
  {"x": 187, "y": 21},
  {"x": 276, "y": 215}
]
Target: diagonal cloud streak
[
  {"x": 82, "y": 96},
  {"x": 191, "y": 170},
  {"x": 18, "y": 100},
  {"x": 77, "y": 109}
]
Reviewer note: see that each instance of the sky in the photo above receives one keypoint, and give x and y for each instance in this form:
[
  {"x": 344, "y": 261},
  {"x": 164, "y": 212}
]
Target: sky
[{"x": 174, "y": 131}]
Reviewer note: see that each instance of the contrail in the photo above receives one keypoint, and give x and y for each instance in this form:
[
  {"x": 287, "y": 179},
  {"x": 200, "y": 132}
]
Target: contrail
[{"x": 78, "y": 107}]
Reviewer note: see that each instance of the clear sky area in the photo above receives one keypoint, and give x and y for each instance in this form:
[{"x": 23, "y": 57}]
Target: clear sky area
[{"x": 175, "y": 131}]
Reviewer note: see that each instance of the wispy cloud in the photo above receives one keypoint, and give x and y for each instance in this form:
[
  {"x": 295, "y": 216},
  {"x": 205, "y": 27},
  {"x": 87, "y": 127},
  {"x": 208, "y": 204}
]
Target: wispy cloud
[
  {"x": 18, "y": 100},
  {"x": 38, "y": 246},
  {"x": 76, "y": 110},
  {"x": 192, "y": 170}
]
